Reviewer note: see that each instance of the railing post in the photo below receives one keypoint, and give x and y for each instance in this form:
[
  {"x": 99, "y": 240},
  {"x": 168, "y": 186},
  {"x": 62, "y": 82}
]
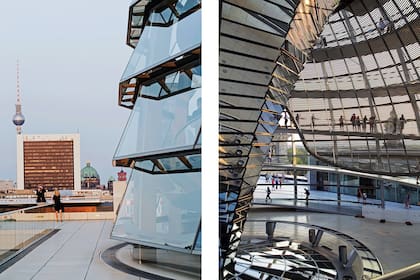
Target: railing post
[
  {"x": 295, "y": 184},
  {"x": 269, "y": 229},
  {"x": 338, "y": 190},
  {"x": 314, "y": 239},
  {"x": 381, "y": 184},
  {"x": 342, "y": 255},
  {"x": 311, "y": 235}
]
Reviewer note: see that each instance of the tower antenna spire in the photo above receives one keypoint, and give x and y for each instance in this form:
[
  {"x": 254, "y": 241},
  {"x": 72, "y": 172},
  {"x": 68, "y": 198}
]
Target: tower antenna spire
[
  {"x": 17, "y": 82},
  {"x": 18, "y": 118}
]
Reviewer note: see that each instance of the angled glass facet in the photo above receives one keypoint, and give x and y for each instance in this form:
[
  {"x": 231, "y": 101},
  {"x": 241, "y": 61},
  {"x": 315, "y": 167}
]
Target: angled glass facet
[
  {"x": 161, "y": 126},
  {"x": 160, "y": 44},
  {"x": 161, "y": 210}
]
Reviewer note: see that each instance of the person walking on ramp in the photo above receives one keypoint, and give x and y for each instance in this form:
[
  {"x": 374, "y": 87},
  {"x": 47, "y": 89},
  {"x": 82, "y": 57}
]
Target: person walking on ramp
[
  {"x": 268, "y": 194},
  {"x": 307, "y": 193}
]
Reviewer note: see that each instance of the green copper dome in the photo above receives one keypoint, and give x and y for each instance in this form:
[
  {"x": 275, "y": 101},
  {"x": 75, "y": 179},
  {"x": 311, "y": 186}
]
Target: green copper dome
[{"x": 88, "y": 172}]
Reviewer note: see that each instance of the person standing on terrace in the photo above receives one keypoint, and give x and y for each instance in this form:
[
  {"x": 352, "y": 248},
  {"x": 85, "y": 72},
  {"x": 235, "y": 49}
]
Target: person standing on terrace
[
  {"x": 58, "y": 206},
  {"x": 40, "y": 194}
]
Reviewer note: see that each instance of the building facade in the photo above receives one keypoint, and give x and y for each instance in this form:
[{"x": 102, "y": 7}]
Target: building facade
[
  {"x": 319, "y": 63},
  {"x": 50, "y": 160},
  {"x": 161, "y": 143}
]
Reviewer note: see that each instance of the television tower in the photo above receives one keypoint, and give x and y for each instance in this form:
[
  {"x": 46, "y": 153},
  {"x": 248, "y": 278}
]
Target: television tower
[{"x": 18, "y": 118}]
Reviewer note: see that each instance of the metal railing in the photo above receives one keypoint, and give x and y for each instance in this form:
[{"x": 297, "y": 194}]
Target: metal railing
[{"x": 411, "y": 272}]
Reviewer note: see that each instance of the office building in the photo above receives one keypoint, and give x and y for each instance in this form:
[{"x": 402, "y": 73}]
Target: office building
[{"x": 49, "y": 160}]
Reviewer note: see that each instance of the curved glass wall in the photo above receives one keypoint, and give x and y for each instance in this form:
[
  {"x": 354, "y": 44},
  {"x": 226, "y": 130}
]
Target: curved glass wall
[
  {"x": 161, "y": 210},
  {"x": 345, "y": 72},
  {"x": 358, "y": 96},
  {"x": 161, "y": 142},
  {"x": 262, "y": 47}
]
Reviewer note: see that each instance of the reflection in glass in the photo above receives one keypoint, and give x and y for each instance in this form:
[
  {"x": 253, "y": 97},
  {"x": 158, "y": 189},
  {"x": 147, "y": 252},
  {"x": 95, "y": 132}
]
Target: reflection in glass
[
  {"x": 172, "y": 12},
  {"x": 163, "y": 210},
  {"x": 173, "y": 83},
  {"x": 162, "y": 126},
  {"x": 159, "y": 44}
]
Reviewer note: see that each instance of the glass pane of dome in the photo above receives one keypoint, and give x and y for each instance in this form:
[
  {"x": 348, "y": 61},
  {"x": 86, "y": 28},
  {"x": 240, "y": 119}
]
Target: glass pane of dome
[
  {"x": 167, "y": 125},
  {"x": 163, "y": 210}
]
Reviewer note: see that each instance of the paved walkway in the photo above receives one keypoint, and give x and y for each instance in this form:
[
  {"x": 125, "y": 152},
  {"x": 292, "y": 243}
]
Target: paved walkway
[
  {"x": 319, "y": 200},
  {"x": 73, "y": 253},
  {"x": 322, "y": 201}
]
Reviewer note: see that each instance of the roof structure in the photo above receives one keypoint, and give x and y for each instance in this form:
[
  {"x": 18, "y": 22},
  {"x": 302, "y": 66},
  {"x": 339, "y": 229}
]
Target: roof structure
[{"x": 346, "y": 73}]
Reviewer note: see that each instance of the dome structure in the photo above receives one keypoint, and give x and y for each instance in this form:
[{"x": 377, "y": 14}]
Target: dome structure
[
  {"x": 88, "y": 172},
  {"x": 89, "y": 177}
]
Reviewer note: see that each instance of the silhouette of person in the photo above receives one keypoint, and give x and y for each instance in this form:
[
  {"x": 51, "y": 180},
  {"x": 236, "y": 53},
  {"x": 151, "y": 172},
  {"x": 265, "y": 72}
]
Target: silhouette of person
[
  {"x": 364, "y": 123},
  {"x": 372, "y": 124},
  {"x": 407, "y": 200},
  {"x": 307, "y": 193},
  {"x": 359, "y": 194},
  {"x": 382, "y": 24},
  {"x": 40, "y": 194},
  {"x": 286, "y": 119},
  {"x": 341, "y": 120},
  {"x": 353, "y": 120},
  {"x": 58, "y": 206},
  {"x": 268, "y": 194},
  {"x": 358, "y": 123},
  {"x": 402, "y": 123}
]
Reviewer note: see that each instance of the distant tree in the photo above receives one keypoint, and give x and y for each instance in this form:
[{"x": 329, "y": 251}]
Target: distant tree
[{"x": 301, "y": 158}]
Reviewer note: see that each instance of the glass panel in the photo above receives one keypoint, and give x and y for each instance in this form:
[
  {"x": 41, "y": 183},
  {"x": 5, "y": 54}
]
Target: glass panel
[
  {"x": 162, "y": 126},
  {"x": 198, "y": 241},
  {"x": 195, "y": 160},
  {"x": 172, "y": 163},
  {"x": 162, "y": 209},
  {"x": 183, "y": 6},
  {"x": 160, "y": 44},
  {"x": 154, "y": 90},
  {"x": 146, "y": 165},
  {"x": 174, "y": 83}
]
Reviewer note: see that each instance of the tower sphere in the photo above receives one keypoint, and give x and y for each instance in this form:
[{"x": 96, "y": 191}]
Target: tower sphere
[{"x": 18, "y": 119}]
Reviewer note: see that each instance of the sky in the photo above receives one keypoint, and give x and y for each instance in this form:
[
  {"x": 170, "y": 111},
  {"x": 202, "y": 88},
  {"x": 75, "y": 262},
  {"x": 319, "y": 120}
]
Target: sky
[{"x": 71, "y": 57}]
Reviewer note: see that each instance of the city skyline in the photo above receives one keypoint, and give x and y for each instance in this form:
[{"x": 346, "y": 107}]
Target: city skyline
[{"x": 70, "y": 63}]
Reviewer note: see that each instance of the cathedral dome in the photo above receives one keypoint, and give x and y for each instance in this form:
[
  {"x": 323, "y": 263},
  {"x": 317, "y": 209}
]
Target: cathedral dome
[{"x": 88, "y": 172}]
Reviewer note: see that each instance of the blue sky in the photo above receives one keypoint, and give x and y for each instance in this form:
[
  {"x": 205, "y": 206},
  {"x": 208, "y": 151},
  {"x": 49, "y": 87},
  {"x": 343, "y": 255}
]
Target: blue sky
[{"x": 72, "y": 55}]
